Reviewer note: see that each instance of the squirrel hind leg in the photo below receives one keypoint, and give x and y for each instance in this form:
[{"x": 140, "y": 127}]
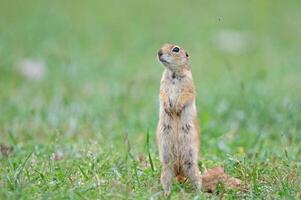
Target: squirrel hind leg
[
  {"x": 191, "y": 170},
  {"x": 167, "y": 175}
]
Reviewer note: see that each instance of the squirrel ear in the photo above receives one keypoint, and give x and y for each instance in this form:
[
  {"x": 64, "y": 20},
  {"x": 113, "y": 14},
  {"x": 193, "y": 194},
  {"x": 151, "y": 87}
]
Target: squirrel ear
[{"x": 186, "y": 54}]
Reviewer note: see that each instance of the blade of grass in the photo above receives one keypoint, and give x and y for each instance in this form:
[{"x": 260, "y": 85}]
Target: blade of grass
[
  {"x": 83, "y": 173},
  {"x": 21, "y": 167},
  {"x": 41, "y": 176},
  {"x": 129, "y": 155},
  {"x": 148, "y": 151}
]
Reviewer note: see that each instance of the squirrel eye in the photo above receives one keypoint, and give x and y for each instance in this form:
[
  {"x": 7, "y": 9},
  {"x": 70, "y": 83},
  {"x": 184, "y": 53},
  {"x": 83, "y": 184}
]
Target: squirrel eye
[{"x": 176, "y": 49}]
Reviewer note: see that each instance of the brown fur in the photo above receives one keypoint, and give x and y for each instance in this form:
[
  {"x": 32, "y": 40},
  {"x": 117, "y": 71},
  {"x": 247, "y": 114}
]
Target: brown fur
[{"x": 178, "y": 128}]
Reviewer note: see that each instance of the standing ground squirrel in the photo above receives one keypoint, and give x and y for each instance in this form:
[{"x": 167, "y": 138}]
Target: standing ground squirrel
[{"x": 178, "y": 128}]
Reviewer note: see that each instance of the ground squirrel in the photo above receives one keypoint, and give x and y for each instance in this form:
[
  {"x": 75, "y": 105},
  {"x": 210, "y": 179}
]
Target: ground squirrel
[{"x": 178, "y": 127}]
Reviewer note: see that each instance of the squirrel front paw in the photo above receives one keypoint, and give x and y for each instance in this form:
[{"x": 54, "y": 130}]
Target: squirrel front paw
[
  {"x": 178, "y": 108},
  {"x": 168, "y": 108}
]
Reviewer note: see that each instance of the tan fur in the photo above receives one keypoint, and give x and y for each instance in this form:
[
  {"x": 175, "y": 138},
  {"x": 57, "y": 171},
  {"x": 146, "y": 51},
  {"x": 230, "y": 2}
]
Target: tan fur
[{"x": 178, "y": 128}]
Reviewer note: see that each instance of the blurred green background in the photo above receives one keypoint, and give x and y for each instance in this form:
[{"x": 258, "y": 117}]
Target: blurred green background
[{"x": 82, "y": 76}]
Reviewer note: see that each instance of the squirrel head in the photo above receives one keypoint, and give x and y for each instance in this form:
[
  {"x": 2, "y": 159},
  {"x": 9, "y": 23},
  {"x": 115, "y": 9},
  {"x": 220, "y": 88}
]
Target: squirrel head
[{"x": 173, "y": 57}]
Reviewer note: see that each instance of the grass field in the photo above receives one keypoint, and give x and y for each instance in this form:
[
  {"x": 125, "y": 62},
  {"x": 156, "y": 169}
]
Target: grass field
[{"x": 79, "y": 89}]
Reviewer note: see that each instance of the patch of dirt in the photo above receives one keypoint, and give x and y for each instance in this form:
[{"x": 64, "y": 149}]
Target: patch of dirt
[
  {"x": 5, "y": 150},
  {"x": 212, "y": 177}
]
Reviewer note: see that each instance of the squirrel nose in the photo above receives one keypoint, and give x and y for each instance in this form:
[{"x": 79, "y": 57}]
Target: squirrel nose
[{"x": 160, "y": 53}]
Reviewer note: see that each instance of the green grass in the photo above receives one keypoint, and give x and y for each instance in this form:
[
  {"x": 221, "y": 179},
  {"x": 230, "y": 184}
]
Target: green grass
[{"x": 81, "y": 131}]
